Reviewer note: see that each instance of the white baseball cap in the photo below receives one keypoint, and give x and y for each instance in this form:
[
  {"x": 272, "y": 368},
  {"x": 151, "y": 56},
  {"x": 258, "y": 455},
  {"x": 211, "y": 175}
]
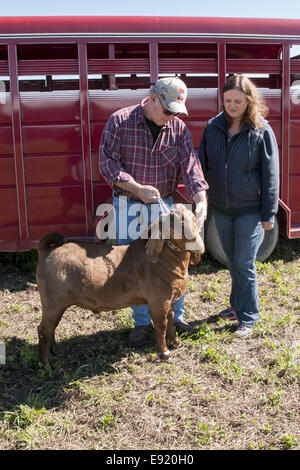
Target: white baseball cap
[{"x": 173, "y": 93}]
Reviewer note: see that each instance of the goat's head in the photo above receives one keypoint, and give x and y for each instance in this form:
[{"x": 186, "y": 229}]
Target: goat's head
[{"x": 178, "y": 226}]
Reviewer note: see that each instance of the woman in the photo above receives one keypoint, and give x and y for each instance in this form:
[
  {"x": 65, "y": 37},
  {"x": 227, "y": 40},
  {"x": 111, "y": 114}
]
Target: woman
[{"x": 239, "y": 157}]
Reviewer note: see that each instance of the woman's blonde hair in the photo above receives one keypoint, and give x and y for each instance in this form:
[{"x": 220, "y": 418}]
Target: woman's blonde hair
[{"x": 256, "y": 103}]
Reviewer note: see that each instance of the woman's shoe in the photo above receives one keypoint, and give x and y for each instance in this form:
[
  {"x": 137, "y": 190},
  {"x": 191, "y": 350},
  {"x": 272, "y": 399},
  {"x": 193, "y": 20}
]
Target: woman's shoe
[
  {"x": 243, "y": 332},
  {"x": 228, "y": 314}
]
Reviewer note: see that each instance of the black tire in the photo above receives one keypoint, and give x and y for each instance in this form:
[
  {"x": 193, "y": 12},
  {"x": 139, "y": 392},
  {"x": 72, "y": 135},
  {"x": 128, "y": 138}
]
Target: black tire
[{"x": 214, "y": 247}]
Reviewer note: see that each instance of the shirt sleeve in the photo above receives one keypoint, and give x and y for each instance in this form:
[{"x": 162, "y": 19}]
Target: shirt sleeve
[
  {"x": 110, "y": 153},
  {"x": 270, "y": 176},
  {"x": 191, "y": 170}
]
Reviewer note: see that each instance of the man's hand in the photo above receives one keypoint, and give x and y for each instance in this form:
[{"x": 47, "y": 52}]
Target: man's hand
[
  {"x": 148, "y": 194},
  {"x": 201, "y": 208}
]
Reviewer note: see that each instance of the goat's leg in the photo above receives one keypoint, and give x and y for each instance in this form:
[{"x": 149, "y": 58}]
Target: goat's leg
[
  {"x": 159, "y": 316},
  {"x": 172, "y": 339},
  {"x": 53, "y": 344},
  {"x": 46, "y": 329}
]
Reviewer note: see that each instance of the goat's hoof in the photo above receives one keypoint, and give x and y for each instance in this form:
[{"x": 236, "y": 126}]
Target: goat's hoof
[{"x": 165, "y": 356}]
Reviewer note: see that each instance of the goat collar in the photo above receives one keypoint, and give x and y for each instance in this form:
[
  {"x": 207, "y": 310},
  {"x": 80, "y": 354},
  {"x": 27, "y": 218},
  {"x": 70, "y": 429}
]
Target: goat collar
[{"x": 172, "y": 246}]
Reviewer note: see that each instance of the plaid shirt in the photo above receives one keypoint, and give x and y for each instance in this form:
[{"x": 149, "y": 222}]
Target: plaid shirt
[{"x": 127, "y": 151}]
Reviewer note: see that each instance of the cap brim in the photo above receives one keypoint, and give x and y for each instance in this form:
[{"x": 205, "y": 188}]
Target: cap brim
[{"x": 177, "y": 108}]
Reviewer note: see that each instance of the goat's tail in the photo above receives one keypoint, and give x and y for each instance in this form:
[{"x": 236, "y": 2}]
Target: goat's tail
[{"x": 51, "y": 240}]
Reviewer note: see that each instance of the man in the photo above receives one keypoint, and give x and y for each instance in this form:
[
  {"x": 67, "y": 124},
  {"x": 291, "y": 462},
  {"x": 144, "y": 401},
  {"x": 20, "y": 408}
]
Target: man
[{"x": 144, "y": 151}]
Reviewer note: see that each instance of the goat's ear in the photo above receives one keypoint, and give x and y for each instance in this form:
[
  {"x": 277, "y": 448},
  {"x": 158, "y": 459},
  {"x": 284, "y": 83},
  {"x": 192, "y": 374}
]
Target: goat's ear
[{"x": 153, "y": 249}]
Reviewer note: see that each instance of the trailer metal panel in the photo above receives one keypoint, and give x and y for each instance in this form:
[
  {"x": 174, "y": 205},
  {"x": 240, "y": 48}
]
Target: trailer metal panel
[{"x": 64, "y": 76}]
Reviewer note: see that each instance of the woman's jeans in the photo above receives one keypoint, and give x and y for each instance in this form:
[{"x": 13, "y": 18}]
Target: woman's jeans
[
  {"x": 240, "y": 238},
  {"x": 127, "y": 230}
]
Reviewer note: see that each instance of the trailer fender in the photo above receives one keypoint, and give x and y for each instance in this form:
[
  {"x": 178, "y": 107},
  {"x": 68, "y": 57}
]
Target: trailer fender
[{"x": 214, "y": 247}]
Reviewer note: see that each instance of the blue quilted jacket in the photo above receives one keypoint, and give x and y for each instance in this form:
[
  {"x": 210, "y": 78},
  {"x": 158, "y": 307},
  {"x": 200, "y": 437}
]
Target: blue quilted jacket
[{"x": 242, "y": 172}]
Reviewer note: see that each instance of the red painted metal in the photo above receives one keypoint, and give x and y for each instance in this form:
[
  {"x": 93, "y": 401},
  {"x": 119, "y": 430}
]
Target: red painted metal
[
  {"x": 86, "y": 140},
  {"x": 115, "y": 25},
  {"x": 285, "y": 125},
  {"x": 18, "y": 147},
  {"x": 248, "y": 65},
  {"x": 50, "y": 132},
  {"x": 112, "y": 78},
  {"x": 49, "y": 66},
  {"x": 153, "y": 55},
  {"x": 221, "y": 73}
]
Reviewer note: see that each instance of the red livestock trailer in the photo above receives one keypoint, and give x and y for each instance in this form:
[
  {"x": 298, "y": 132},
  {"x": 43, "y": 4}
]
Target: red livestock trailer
[{"x": 61, "y": 78}]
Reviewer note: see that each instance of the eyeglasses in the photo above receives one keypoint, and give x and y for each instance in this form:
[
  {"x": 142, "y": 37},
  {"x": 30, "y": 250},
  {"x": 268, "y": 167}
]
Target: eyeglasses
[{"x": 166, "y": 111}]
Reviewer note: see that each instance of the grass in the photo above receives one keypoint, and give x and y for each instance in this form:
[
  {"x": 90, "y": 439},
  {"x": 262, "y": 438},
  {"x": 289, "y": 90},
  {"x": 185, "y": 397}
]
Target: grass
[{"x": 218, "y": 393}]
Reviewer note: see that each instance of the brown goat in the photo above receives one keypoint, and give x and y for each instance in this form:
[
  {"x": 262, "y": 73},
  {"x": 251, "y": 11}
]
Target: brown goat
[{"x": 98, "y": 277}]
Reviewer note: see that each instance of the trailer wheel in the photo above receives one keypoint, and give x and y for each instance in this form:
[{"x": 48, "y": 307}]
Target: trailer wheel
[{"x": 214, "y": 247}]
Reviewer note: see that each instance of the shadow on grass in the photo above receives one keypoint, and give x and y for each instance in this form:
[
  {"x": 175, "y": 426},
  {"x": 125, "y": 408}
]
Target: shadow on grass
[
  {"x": 214, "y": 320},
  {"x": 86, "y": 356},
  {"x": 207, "y": 265},
  {"x": 23, "y": 262},
  {"x": 22, "y": 381},
  {"x": 16, "y": 282},
  {"x": 286, "y": 250}
]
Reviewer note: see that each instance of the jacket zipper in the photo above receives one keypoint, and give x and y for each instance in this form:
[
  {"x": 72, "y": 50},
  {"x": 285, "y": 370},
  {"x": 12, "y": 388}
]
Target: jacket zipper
[
  {"x": 254, "y": 185},
  {"x": 226, "y": 178},
  {"x": 226, "y": 186},
  {"x": 226, "y": 175},
  {"x": 249, "y": 177}
]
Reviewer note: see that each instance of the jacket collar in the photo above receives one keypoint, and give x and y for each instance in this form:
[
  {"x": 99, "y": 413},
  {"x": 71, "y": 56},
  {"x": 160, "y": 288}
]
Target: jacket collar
[{"x": 220, "y": 122}]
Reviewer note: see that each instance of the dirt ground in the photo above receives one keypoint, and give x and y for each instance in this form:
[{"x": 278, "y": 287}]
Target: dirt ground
[{"x": 218, "y": 393}]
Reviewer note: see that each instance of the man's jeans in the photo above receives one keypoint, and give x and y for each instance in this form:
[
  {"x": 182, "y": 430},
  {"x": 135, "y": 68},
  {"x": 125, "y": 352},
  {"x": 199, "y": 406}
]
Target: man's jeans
[
  {"x": 127, "y": 230},
  {"x": 241, "y": 237}
]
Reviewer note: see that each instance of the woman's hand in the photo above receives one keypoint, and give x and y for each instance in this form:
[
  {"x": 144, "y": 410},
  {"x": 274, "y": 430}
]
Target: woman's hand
[
  {"x": 201, "y": 208},
  {"x": 267, "y": 225}
]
